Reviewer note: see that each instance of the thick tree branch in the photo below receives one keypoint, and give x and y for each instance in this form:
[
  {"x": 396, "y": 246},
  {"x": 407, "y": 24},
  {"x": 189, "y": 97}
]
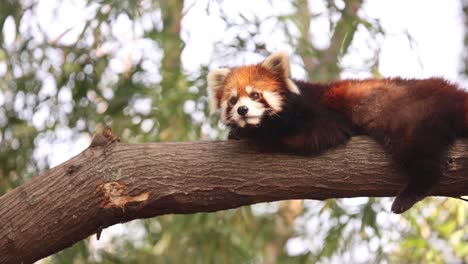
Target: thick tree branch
[{"x": 116, "y": 183}]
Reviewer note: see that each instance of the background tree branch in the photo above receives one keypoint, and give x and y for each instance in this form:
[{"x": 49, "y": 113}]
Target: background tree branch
[{"x": 119, "y": 182}]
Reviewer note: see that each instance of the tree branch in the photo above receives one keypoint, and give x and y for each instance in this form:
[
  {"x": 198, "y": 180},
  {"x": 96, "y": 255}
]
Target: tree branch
[{"x": 105, "y": 185}]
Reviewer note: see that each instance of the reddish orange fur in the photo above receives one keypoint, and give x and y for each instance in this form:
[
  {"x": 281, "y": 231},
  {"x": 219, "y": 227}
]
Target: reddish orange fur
[
  {"x": 241, "y": 77},
  {"x": 343, "y": 94}
]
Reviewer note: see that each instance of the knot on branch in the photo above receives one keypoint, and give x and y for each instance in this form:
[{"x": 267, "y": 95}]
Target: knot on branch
[
  {"x": 103, "y": 139},
  {"x": 116, "y": 196}
]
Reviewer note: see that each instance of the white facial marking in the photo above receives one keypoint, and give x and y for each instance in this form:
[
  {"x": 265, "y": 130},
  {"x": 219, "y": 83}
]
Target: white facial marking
[
  {"x": 253, "y": 116},
  {"x": 274, "y": 101},
  {"x": 248, "y": 89},
  {"x": 234, "y": 92},
  {"x": 241, "y": 123}
]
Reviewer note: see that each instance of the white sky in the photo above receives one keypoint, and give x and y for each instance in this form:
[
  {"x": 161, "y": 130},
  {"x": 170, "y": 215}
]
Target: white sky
[{"x": 436, "y": 26}]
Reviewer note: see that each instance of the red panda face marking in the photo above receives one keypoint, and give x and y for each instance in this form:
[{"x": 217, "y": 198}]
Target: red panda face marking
[
  {"x": 245, "y": 95},
  {"x": 246, "y": 106},
  {"x": 247, "y": 112}
]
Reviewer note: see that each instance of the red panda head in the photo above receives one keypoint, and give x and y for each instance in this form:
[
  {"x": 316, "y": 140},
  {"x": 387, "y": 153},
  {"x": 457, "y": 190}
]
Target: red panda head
[{"x": 246, "y": 94}]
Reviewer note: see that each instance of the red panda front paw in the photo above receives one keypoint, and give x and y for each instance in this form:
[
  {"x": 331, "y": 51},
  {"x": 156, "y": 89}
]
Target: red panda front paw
[{"x": 234, "y": 134}]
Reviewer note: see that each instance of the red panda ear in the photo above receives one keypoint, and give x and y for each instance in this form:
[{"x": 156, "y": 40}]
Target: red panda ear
[
  {"x": 215, "y": 80},
  {"x": 278, "y": 63}
]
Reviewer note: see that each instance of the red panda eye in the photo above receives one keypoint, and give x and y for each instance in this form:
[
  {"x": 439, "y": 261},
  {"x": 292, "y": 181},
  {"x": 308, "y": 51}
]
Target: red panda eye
[
  {"x": 254, "y": 95},
  {"x": 233, "y": 100}
]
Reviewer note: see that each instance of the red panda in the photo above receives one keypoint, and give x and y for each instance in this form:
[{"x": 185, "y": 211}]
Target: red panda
[{"x": 415, "y": 120}]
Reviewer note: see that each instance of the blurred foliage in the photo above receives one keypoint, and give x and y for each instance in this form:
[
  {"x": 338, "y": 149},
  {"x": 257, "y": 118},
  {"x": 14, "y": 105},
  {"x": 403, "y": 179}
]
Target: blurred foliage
[{"x": 60, "y": 87}]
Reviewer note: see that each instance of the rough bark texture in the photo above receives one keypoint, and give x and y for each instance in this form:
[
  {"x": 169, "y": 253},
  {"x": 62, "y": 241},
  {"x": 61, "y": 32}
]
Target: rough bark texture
[{"x": 119, "y": 182}]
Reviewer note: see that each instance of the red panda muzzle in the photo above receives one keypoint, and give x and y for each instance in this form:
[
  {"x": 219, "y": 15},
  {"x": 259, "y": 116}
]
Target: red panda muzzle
[{"x": 242, "y": 110}]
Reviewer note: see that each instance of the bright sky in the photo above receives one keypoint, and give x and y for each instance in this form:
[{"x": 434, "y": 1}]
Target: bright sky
[{"x": 437, "y": 28}]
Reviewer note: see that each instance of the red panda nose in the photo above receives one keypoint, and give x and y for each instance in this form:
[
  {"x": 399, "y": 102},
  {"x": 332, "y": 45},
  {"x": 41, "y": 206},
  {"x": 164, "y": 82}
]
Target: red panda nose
[{"x": 242, "y": 110}]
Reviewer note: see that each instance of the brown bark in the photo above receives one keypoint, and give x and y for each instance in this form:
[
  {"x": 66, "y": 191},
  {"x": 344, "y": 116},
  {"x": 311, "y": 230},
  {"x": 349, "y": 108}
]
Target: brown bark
[{"x": 119, "y": 182}]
